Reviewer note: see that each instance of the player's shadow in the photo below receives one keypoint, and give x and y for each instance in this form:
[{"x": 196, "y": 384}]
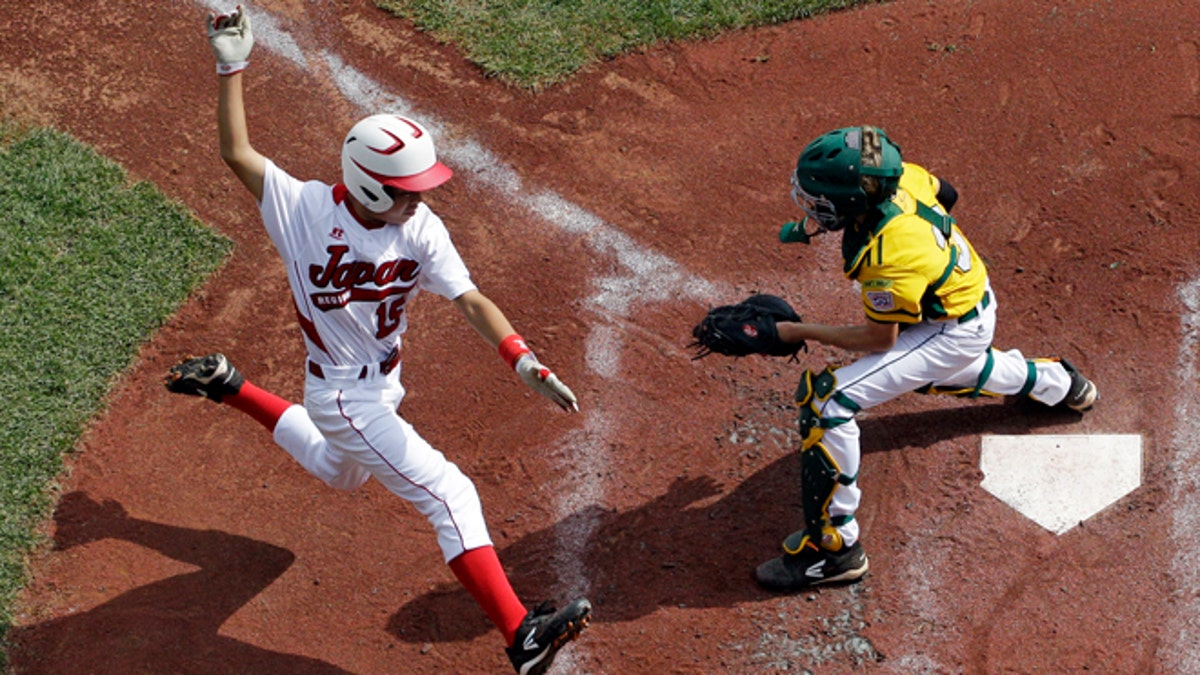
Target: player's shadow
[
  {"x": 685, "y": 549},
  {"x": 169, "y": 626}
]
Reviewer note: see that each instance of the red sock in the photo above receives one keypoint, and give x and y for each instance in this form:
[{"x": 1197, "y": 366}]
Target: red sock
[
  {"x": 479, "y": 571},
  {"x": 260, "y": 404}
]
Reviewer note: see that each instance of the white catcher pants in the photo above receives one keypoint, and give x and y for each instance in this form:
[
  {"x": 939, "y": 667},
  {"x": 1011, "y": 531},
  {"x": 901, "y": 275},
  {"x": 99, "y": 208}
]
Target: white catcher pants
[
  {"x": 949, "y": 355},
  {"x": 349, "y": 430}
]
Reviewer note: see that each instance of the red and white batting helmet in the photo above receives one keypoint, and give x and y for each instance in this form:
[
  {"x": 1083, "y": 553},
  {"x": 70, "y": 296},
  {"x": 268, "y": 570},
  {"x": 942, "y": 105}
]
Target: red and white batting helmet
[{"x": 389, "y": 150}]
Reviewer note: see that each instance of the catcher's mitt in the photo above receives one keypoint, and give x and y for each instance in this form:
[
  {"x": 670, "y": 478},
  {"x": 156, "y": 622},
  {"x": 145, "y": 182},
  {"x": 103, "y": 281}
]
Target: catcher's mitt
[{"x": 746, "y": 328}]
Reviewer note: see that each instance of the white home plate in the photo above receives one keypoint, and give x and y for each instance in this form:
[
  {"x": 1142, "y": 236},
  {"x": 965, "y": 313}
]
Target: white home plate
[{"x": 1060, "y": 481}]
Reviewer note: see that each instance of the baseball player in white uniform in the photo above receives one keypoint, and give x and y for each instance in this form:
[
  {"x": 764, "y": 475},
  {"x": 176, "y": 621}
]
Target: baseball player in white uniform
[{"x": 357, "y": 254}]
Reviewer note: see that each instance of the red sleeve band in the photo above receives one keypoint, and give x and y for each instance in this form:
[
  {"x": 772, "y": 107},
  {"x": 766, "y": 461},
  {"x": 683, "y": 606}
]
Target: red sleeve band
[{"x": 512, "y": 348}]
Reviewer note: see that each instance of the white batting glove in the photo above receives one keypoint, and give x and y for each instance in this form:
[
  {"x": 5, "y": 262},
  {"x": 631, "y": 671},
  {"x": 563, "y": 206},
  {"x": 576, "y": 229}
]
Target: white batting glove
[
  {"x": 231, "y": 40},
  {"x": 540, "y": 379}
]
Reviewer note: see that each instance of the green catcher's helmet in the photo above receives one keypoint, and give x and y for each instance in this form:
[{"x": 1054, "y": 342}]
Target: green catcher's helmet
[{"x": 845, "y": 172}]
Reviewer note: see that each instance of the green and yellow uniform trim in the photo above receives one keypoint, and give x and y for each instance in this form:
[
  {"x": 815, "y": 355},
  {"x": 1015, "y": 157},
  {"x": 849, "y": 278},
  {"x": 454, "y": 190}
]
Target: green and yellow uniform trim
[{"x": 910, "y": 258}]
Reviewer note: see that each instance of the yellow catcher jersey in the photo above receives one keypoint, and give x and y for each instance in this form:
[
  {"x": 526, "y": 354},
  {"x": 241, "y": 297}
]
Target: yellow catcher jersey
[{"x": 915, "y": 264}]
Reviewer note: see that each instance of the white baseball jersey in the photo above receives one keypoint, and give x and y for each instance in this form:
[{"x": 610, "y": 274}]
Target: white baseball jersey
[{"x": 351, "y": 284}]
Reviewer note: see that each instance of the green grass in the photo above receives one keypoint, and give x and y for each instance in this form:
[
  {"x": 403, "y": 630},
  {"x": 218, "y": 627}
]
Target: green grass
[
  {"x": 535, "y": 43},
  {"x": 90, "y": 266}
]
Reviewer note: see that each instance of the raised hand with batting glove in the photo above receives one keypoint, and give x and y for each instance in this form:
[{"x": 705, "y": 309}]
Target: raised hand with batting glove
[{"x": 231, "y": 40}]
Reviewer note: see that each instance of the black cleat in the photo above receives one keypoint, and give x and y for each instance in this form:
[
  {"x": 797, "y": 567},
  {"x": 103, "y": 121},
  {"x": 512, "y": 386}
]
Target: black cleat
[
  {"x": 1083, "y": 393},
  {"x": 210, "y": 376},
  {"x": 812, "y": 566},
  {"x": 543, "y": 632}
]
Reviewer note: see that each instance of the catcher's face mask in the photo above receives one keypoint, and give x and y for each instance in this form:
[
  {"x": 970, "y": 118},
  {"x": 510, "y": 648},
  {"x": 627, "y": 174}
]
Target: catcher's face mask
[{"x": 820, "y": 210}]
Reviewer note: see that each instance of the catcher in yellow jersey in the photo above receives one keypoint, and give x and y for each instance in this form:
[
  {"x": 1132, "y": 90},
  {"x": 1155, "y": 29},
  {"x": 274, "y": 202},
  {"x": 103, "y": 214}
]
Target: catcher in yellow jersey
[{"x": 930, "y": 317}]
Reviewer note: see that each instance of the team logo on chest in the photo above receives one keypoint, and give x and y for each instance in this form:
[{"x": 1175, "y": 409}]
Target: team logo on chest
[{"x": 358, "y": 281}]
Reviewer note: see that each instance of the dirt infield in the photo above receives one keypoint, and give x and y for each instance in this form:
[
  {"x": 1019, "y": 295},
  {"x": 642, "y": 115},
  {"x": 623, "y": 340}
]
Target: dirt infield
[{"x": 605, "y": 215}]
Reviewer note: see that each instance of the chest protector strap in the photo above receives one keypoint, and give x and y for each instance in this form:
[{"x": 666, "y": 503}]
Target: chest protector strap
[{"x": 931, "y": 304}]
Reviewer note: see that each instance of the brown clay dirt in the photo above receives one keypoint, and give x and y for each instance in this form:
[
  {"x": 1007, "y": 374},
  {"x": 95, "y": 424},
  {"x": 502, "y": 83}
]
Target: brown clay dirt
[{"x": 186, "y": 542}]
